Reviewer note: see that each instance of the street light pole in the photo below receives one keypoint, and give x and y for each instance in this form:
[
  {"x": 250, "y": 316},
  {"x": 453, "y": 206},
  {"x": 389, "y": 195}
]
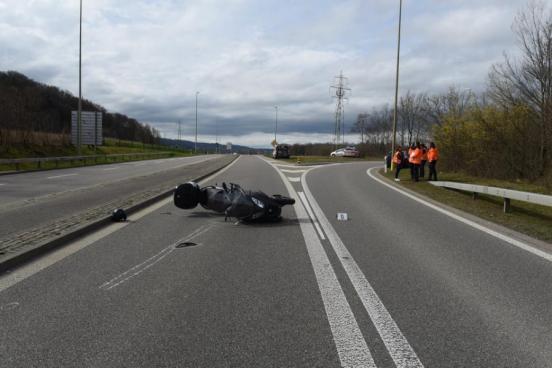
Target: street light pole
[
  {"x": 396, "y": 87},
  {"x": 195, "y": 146},
  {"x": 79, "y": 112},
  {"x": 276, "y": 125}
]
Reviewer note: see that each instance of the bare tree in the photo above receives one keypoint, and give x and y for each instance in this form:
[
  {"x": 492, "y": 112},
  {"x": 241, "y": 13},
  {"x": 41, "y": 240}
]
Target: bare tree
[{"x": 528, "y": 80}]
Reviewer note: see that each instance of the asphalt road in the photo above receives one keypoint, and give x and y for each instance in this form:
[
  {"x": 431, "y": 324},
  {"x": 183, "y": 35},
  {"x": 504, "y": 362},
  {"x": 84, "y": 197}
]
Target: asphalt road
[
  {"x": 398, "y": 284},
  {"x": 24, "y": 186},
  {"x": 29, "y": 200}
]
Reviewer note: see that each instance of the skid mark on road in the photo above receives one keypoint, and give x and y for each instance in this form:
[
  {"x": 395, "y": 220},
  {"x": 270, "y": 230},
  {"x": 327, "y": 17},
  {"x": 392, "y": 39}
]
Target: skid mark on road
[{"x": 150, "y": 262}]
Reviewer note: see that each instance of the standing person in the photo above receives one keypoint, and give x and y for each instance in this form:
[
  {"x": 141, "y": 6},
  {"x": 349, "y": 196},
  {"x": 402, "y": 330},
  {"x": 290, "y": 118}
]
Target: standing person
[
  {"x": 424, "y": 160},
  {"x": 432, "y": 156},
  {"x": 398, "y": 160},
  {"x": 410, "y": 164},
  {"x": 416, "y": 161}
]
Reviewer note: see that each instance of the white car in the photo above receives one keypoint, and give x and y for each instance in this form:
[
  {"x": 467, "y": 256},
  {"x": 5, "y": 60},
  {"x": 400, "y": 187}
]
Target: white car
[{"x": 346, "y": 152}]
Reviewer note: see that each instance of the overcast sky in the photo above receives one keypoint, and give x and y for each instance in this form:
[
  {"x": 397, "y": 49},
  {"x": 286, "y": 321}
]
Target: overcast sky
[{"x": 147, "y": 58}]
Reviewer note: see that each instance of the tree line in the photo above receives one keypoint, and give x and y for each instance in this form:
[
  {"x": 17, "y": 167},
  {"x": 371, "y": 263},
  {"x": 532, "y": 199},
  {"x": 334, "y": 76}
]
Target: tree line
[
  {"x": 27, "y": 107},
  {"x": 503, "y": 132}
]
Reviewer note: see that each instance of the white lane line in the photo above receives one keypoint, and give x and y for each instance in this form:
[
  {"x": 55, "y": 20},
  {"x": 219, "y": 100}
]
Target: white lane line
[
  {"x": 350, "y": 344},
  {"x": 294, "y": 171},
  {"x": 110, "y": 168},
  {"x": 61, "y": 176},
  {"x": 9, "y": 279},
  {"x": 496, "y": 234},
  {"x": 400, "y": 350},
  {"x": 311, "y": 215},
  {"x": 2, "y": 184},
  {"x": 294, "y": 179},
  {"x": 139, "y": 268}
]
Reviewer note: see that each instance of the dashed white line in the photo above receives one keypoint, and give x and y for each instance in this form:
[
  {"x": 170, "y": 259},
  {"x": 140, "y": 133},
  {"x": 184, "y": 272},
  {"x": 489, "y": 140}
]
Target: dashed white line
[
  {"x": 61, "y": 176},
  {"x": 2, "y": 184},
  {"x": 400, "y": 350},
  {"x": 110, "y": 168},
  {"x": 294, "y": 179}
]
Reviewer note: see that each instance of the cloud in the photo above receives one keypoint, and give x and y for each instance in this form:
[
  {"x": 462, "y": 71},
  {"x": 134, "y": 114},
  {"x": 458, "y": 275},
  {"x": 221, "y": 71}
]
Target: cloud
[{"x": 147, "y": 58}]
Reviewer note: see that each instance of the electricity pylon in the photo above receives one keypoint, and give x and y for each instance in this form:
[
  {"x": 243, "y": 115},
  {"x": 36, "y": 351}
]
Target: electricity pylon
[{"x": 340, "y": 91}]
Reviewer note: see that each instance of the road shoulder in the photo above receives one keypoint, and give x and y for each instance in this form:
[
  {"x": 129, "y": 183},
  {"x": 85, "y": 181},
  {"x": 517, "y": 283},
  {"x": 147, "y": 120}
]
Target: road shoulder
[{"x": 520, "y": 237}]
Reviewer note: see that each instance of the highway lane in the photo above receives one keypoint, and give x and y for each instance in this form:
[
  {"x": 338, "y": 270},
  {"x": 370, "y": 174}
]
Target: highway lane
[
  {"x": 246, "y": 296},
  {"x": 285, "y": 294},
  {"x": 461, "y": 297},
  {"x": 24, "y": 186},
  {"x": 32, "y": 200}
]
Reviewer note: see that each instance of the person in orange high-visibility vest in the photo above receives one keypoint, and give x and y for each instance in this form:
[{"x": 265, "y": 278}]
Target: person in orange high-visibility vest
[
  {"x": 432, "y": 157},
  {"x": 424, "y": 160},
  {"x": 416, "y": 161},
  {"x": 410, "y": 164},
  {"x": 397, "y": 160}
]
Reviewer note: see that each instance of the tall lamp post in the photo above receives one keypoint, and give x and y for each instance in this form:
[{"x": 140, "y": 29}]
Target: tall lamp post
[
  {"x": 276, "y": 125},
  {"x": 195, "y": 146},
  {"x": 79, "y": 112},
  {"x": 396, "y": 88}
]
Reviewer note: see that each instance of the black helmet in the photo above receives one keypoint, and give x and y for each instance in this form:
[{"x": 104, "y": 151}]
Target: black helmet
[
  {"x": 118, "y": 215},
  {"x": 186, "y": 196}
]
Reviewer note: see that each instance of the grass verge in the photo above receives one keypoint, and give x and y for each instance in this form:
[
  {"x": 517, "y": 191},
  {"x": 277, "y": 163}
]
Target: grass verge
[
  {"x": 527, "y": 218},
  {"x": 110, "y": 147}
]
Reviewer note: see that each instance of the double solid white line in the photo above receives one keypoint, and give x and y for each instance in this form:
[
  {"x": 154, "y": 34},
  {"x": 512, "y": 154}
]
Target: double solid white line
[
  {"x": 351, "y": 346},
  {"x": 400, "y": 350}
]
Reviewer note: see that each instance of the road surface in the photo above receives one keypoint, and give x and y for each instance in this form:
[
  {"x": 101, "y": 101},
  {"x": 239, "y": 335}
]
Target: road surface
[{"x": 397, "y": 285}]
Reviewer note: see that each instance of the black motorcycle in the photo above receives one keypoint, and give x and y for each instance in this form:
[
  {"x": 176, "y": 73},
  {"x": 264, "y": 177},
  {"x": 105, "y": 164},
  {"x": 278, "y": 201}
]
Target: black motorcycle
[{"x": 232, "y": 201}]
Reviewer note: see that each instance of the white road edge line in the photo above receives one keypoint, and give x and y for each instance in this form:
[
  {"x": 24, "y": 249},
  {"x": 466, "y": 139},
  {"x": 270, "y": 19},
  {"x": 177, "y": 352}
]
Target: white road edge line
[
  {"x": 400, "y": 350},
  {"x": 496, "y": 234},
  {"x": 311, "y": 215},
  {"x": 61, "y": 176},
  {"x": 349, "y": 341},
  {"x": 7, "y": 280}
]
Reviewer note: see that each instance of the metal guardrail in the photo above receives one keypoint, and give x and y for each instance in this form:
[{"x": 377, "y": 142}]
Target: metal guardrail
[
  {"x": 506, "y": 194},
  {"x": 96, "y": 158}
]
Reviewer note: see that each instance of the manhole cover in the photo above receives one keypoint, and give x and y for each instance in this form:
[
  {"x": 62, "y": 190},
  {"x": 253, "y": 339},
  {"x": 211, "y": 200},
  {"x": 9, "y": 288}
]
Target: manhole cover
[{"x": 185, "y": 244}]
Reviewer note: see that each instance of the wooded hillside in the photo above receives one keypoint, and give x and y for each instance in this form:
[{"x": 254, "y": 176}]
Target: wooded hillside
[{"x": 27, "y": 106}]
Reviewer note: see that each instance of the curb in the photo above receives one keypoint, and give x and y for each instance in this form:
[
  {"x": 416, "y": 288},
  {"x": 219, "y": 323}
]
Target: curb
[{"x": 27, "y": 255}]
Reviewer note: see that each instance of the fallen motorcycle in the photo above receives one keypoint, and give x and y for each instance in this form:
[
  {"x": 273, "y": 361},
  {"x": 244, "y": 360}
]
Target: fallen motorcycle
[{"x": 232, "y": 201}]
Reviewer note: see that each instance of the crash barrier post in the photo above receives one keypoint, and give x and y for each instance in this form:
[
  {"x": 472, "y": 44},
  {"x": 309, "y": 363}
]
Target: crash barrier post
[
  {"x": 39, "y": 161},
  {"x": 506, "y": 194}
]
